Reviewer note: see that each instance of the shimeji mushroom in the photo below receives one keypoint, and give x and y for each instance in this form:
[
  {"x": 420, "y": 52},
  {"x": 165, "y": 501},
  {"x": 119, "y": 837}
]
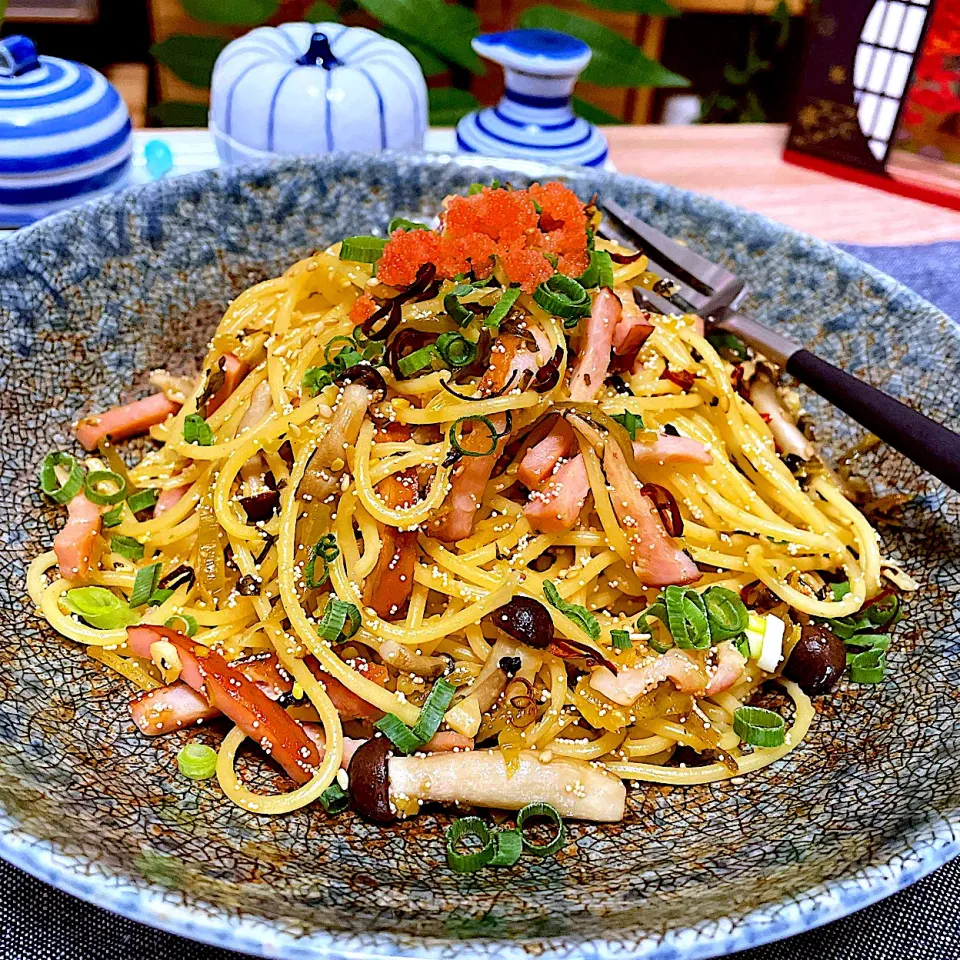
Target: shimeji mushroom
[{"x": 380, "y": 782}]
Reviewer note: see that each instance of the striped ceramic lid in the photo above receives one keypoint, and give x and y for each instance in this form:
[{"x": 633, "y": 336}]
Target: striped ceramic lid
[{"x": 64, "y": 131}]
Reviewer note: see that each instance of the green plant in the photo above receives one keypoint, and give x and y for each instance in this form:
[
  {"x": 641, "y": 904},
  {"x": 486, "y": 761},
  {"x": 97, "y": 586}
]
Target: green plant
[
  {"x": 739, "y": 101},
  {"x": 438, "y": 34}
]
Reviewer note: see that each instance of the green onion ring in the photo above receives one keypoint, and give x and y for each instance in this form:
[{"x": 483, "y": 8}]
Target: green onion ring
[
  {"x": 759, "y": 727},
  {"x": 362, "y": 249},
  {"x": 563, "y": 297},
  {"x": 51, "y": 486},
  {"x": 726, "y": 612},
  {"x": 456, "y": 350},
  {"x": 190, "y": 624},
  {"x": 488, "y": 423},
  {"x": 535, "y": 810},
  {"x": 469, "y": 862},
  {"x": 197, "y": 761},
  {"x": 101, "y": 499},
  {"x": 508, "y": 846},
  {"x": 869, "y": 666}
]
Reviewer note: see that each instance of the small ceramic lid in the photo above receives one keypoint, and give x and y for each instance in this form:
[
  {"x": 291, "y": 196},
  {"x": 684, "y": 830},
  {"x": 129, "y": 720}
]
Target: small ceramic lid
[
  {"x": 64, "y": 132},
  {"x": 546, "y": 53}
]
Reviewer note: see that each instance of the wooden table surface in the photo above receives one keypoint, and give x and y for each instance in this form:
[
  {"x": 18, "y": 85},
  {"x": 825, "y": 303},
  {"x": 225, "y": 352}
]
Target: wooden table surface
[{"x": 742, "y": 164}]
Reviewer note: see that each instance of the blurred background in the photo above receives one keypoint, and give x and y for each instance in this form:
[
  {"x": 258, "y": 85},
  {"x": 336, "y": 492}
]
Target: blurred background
[{"x": 689, "y": 61}]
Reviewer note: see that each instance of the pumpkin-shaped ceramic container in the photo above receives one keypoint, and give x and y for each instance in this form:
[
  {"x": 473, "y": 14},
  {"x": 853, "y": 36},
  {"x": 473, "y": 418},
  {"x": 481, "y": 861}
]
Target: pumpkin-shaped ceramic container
[
  {"x": 307, "y": 89},
  {"x": 64, "y": 133}
]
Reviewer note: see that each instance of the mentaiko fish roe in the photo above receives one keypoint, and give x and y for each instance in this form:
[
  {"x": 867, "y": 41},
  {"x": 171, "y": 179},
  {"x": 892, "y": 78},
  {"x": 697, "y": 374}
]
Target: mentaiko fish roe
[
  {"x": 363, "y": 308},
  {"x": 533, "y": 233}
]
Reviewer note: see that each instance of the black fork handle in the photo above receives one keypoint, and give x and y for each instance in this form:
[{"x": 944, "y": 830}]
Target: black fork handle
[{"x": 927, "y": 443}]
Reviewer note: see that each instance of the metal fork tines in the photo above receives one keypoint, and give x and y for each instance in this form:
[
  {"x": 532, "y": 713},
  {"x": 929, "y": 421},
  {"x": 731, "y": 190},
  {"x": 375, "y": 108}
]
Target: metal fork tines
[{"x": 698, "y": 285}]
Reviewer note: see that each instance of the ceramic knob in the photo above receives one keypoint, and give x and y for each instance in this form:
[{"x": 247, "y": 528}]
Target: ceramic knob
[
  {"x": 534, "y": 119},
  {"x": 310, "y": 89}
]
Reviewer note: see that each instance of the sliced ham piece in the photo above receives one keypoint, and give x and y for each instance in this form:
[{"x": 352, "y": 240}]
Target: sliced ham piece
[
  {"x": 657, "y": 561},
  {"x": 456, "y": 517},
  {"x": 557, "y": 505},
  {"x": 670, "y": 450},
  {"x": 728, "y": 669},
  {"x": 234, "y": 371},
  {"x": 630, "y": 334},
  {"x": 390, "y": 583},
  {"x": 632, "y": 682},
  {"x": 169, "y": 498},
  {"x": 590, "y": 369},
  {"x": 347, "y": 703},
  {"x": 446, "y": 741},
  {"x": 170, "y": 708},
  {"x": 541, "y": 459},
  {"x": 129, "y": 420},
  {"x": 76, "y": 544},
  {"x": 228, "y": 690}
]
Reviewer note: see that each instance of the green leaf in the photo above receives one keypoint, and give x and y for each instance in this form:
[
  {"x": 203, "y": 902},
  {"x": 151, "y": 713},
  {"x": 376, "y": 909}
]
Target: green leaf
[
  {"x": 593, "y": 113},
  {"x": 735, "y": 75},
  {"x": 448, "y": 105},
  {"x": 781, "y": 17},
  {"x": 616, "y": 61},
  {"x": 319, "y": 12},
  {"x": 430, "y": 63},
  {"x": 442, "y": 28},
  {"x": 235, "y": 13},
  {"x": 3, "y": 9},
  {"x": 179, "y": 113},
  {"x": 190, "y": 58},
  {"x": 651, "y": 8}
]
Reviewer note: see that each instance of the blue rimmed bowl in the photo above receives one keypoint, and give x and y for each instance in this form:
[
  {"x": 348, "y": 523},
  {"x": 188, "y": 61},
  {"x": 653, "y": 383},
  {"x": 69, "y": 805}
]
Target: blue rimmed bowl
[{"x": 92, "y": 299}]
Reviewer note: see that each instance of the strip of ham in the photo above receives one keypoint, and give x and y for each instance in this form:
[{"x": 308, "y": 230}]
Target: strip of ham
[
  {"x": 347, "y": 703},
  {"x": 630, "y": 334},
  {"x": 668, "y": 450},
  {"x": 456, "y": 517},
  {"x": 168, "y": 499},
  {"x": 227, "y": 689},
  {"x": 76, "y": 544},
  {"x": 557, "y": 505},
  {"x": 128, "y": 420},
  {"x": 234, "y": 371},
  {"x": 657, "y": 561},
  {"x": 589, "y": 373},
  {"x": 390, "y": 583},
  {"x": 728, "y": 669}
]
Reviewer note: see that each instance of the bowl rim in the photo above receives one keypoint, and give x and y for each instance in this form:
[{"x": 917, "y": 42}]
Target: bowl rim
[{"x": 900, "y": 861}]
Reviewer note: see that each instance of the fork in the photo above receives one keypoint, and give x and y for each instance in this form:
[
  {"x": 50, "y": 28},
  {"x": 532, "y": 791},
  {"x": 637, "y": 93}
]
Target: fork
[{"x": 692, "y": 284}]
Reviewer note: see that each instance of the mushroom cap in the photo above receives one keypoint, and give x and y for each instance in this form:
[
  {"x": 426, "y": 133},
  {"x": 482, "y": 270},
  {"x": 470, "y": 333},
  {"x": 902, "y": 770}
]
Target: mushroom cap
[{"x": 370, "y": 780}]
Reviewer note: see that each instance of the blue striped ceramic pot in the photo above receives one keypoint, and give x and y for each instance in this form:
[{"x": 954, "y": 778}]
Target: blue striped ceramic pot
[
  {"x": 308, "y": 89},
  {"x": 534, "y": 120},
  {"x": 64, "y": 133}
]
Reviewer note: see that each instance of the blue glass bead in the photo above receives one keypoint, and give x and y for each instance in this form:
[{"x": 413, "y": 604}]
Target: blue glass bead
[{"x": 159, "y": 158}]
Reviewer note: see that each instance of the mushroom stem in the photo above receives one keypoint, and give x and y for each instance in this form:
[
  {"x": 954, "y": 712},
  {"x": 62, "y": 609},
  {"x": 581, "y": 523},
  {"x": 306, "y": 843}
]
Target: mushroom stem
[
  {"x": 401, "y": 658},
  {"x": 479, "y": 778}
]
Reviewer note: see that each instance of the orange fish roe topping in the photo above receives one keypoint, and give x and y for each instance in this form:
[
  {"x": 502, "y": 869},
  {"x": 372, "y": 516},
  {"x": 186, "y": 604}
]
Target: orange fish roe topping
[
  {"x": 496, "y": 223},
  {"x": 404, "y": 254},
  {"x": 364, "y": 307}
]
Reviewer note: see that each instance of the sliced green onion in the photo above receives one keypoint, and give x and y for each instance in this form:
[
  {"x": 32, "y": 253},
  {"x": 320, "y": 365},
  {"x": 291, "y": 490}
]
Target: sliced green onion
[
  {"x": 563, "y": 297},
  {"x": 398, "y": 733},
  {"x": 687, "y": 618},
  {"x": 399, "y": 223},
  {"x": 868, "y": 667},
  {"x": 582, "y": 617},
  {"x": 433, "y": 710},
  {"x": 335, "y": 799},
  {"x": 334, "y": 620},
  {"x": 457, "y": 312},
  {"x": 659, "y": 611},
  {"x": 159, "y": 596},
  {"x": 114, "y": 517},
  {"x": 328, "y": 551},
  {"x": 726, "y": 612},
  {"x": 190, "y": 625},
  {"x": 475, "y": 188},
  {"x": 620, "y": 639},
  {"x": 759, "y": 727},
  {"x": 536, "y": 811},
  {"x": 600, "y": 271},
  {"x": 456, "y": 350},
  {"x": 99, "y": 607},
  {"x": 127, "y": 547},
  {"x": 475, "y": 859},
  {"x": 197, "y": 430},
  {"x": 197, "y": 761},
  {"x": 508, "y": 846},
  {"x": 144, "y": 584},
  {"x": 488, "y": 423},
  {"x": 362, "y": 249},
  {"x": 501, "y": 308},
  {"x": 631, "y": 422},
  {"x": 724, "y": 340},
  {"x": 315, "y": 379},
  {"x": 839, "y": 590},
  {"x": 873, "y": 641},
  {"x": 348, "y": 344},
  {"x": 95, "y": 495},
  {"x": 143, "y": 500},
  {"x": 414, "y": 362},
  {"x": 51, "y": 486}
]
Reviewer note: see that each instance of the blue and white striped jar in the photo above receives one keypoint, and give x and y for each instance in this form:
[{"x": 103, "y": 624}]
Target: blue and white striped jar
[
  {"x": 534, "y": 120},
  {"x": 64, "y": 133}
]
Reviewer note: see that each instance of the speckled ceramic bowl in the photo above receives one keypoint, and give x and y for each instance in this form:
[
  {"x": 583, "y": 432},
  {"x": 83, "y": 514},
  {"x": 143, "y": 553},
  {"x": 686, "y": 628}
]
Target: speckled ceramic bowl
[{"x": 92, "y": 300}]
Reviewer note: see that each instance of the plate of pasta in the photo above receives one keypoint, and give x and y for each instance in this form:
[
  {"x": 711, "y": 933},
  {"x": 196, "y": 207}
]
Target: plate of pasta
[{"x": 421, "y": 550}]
